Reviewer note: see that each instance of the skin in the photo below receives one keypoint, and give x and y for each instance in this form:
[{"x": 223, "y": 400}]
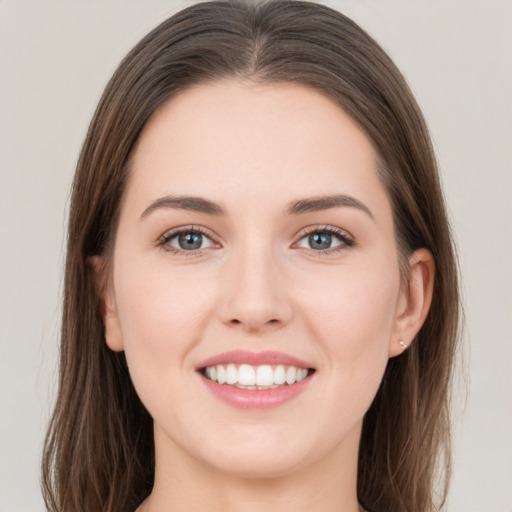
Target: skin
[{"x": 258, "y": 284}]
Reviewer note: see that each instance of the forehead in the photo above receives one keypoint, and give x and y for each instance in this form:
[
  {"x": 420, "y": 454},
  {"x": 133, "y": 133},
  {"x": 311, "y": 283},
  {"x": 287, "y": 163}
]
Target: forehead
[{"x": 231, "y": 139}]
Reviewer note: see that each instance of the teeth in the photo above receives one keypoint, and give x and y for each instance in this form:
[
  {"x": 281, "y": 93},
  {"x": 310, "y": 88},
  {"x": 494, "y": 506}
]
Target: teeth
[
  {"x": 301, "y": 374},
  {"x": 255, "y": 377},
  {"x": 231, "y": 374},
  {"x": 291, "y": 373},
  {"x": 221, "y": 374},
  {"x": 246, "y": 375},
  {"x": 264, "y": 376},
  {"x": 279, "y": 375}
]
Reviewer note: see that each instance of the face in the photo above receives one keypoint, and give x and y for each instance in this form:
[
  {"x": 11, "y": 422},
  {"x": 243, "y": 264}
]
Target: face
[{"x": 255, "y": 232}]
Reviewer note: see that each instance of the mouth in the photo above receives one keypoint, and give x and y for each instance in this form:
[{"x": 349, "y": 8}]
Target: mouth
[
  {"x": 261, "y": 377},
  {"x": 255, "y": 380}
]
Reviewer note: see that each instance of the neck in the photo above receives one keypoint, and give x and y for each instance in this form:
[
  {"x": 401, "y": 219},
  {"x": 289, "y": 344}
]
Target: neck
[{"x": 185, "y": 484}]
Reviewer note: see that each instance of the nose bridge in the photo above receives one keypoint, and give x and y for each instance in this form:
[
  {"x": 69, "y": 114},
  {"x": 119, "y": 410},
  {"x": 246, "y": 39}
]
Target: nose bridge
[{"x": 256, "y": 296}]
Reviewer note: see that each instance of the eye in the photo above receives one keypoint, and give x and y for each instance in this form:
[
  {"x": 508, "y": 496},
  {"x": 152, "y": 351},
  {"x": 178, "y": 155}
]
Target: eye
[
  {"x": 325, "y": 239},
  {"x": 190, "y": 240}
]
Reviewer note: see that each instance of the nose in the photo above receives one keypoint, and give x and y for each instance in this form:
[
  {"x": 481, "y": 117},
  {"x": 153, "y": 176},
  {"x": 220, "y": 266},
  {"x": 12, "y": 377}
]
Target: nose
[{"x": 256, "y": 297}]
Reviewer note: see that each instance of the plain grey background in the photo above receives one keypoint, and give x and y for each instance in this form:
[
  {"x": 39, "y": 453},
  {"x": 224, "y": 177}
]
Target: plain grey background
[{"x": 55, "y": 58}]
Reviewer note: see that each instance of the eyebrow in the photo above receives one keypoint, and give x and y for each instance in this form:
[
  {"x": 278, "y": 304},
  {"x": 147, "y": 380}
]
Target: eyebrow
[{"x": 298, "y": 207}]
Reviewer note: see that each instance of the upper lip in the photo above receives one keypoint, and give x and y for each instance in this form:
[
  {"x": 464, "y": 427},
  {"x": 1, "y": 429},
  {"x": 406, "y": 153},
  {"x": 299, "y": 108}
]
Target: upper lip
[{"x": 254, "y": 358}]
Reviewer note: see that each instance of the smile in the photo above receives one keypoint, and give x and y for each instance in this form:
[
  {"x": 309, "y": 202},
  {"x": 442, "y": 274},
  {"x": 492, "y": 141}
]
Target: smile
[
  {"x": 246, "y": 376},
  {"x": 255, "y": 380}
]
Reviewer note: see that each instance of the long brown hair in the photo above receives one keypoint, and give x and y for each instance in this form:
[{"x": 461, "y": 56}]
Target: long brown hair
[{"x": 99, "y": 451}]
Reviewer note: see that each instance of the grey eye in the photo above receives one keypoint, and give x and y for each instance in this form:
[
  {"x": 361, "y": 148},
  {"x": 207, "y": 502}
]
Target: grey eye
[
  {"x": 190, "y": 241},
  {"x": 322, "y": 240}
]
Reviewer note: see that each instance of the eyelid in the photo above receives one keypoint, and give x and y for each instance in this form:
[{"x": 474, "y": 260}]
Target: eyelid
[{"x": 322, "y": 228}]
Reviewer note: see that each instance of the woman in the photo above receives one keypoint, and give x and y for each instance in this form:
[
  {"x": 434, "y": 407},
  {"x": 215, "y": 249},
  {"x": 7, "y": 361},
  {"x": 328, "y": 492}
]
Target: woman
[{"x": 261, "y": 294}]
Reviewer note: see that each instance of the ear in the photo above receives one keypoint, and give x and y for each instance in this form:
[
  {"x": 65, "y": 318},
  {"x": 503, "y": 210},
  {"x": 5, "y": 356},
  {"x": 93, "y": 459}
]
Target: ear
[
  {"x": 414, "y": 301},
  {"x": 113, "y": 334}
]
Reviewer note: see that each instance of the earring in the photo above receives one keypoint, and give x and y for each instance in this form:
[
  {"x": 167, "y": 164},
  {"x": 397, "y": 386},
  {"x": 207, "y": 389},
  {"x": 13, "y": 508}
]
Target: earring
[{"x": 401, "y": 342}]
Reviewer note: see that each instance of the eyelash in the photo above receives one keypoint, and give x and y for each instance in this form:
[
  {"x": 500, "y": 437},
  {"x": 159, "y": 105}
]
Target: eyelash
[{"x": 343, "y": 236}]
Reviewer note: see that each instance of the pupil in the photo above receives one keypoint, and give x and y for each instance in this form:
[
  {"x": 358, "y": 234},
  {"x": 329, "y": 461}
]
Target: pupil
[
  {"x": 190, "y": 240},
  {"x": 320, "y": 240}
]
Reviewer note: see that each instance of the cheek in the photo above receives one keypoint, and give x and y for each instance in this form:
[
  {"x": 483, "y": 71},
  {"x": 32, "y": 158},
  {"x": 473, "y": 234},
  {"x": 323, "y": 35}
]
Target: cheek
[
  {"x": 156, "y": 301},
  {"x": 162, "y": 315},
  {"x": 354, "y": 305},
  {"x": 351, "y": 314}
]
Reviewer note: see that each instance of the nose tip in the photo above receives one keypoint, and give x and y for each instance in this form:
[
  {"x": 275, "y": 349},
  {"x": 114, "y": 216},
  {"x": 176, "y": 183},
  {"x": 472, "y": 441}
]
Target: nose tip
[
  {"x": 256, "y": 312},
  {"x": 255, "y": 299},
  {"x": 254, "y": 322}
]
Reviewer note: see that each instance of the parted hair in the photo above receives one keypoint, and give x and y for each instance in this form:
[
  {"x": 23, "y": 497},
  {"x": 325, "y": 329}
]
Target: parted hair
[{"x": 99, "y": 448}]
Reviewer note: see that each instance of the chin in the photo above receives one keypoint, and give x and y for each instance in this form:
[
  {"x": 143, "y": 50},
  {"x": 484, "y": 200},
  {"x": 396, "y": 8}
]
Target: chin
[
  {"x": 263, "y": 458},
  {"x": 258, "y": 466}
]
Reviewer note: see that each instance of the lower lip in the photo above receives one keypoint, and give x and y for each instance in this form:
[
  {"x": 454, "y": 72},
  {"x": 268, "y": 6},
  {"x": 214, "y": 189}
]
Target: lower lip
[{"x": 254, "y": 399}]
